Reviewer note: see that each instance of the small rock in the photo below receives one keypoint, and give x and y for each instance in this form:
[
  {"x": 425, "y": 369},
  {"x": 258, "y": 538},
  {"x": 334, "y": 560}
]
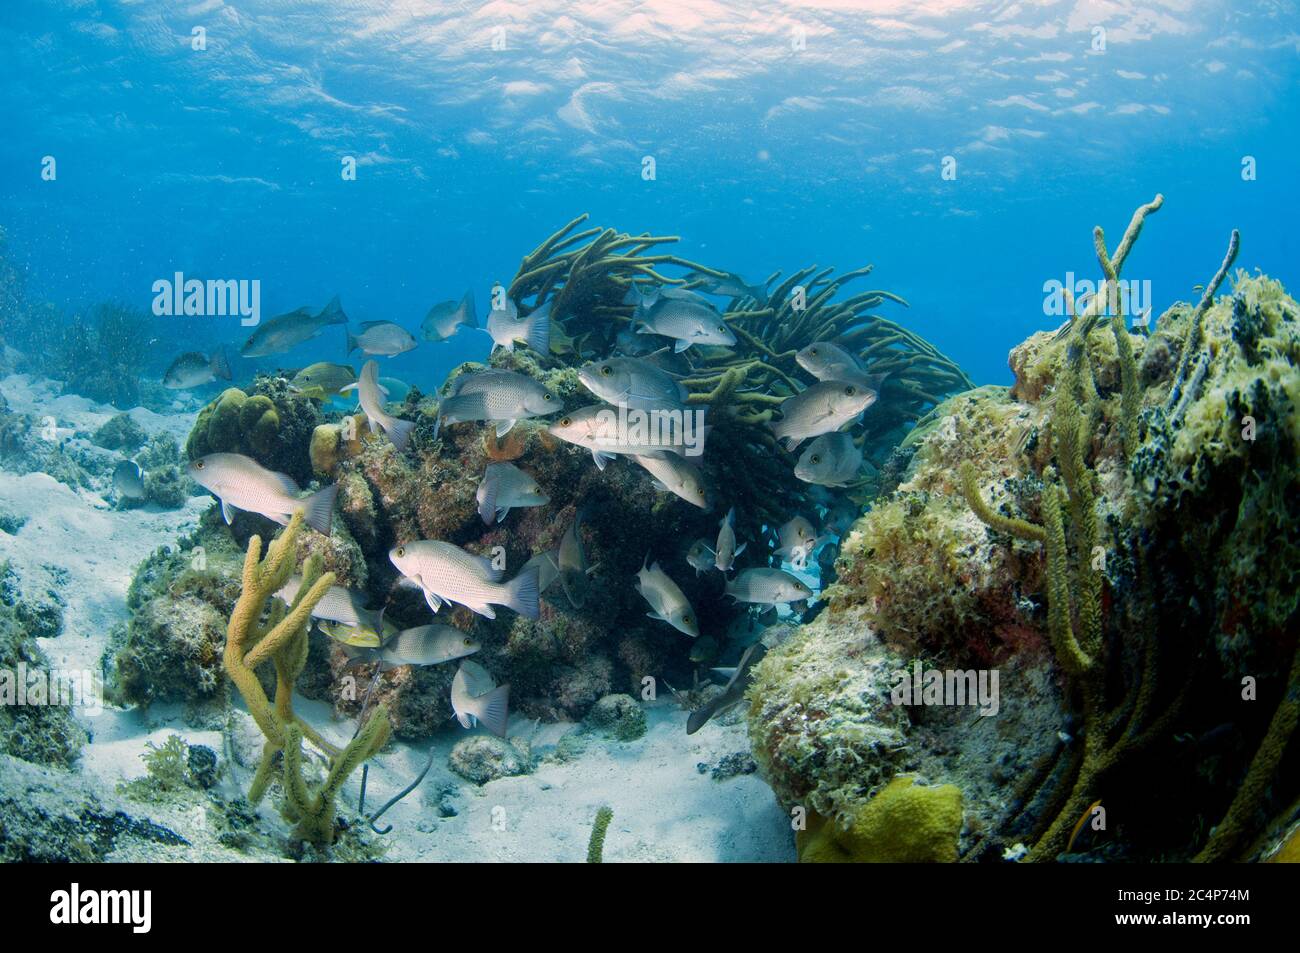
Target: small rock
[
  {"x": 619, "y": 716},
  {"x": 484, "y": 758}
]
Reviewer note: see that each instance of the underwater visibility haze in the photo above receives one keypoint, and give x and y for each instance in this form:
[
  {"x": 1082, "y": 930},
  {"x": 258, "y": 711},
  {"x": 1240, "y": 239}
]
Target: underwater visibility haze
[{"x": 856, "y": 431}]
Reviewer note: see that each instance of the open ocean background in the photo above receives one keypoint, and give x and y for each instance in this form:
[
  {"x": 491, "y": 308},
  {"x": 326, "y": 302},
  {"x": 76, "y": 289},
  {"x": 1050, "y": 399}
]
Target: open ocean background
[{"x": 225, "y": 162}]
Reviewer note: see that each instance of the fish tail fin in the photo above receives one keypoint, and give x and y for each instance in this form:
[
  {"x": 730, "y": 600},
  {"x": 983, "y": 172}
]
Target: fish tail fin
[
  {"x": 469, "y": 316},
  {"x": 318, "y": 509},
  {"x": 487, "y": 507},
  {"x": 352, "y": 342},
  {"x": 522, "y": 593},
  {"x": 700, "y": 716},
  {"x": 399, "y": 432},
  {"x": 334, "y": 312},
  {"x": 539, "y": 337},
  {"x": 220, "y": 366},
  {"x": 493, "y": 710}
]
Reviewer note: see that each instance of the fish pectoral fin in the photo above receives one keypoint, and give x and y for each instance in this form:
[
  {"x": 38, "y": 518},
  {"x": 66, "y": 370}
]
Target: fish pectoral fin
[
  {"x": 503, "y": 427},
  {"x": 434, "y": 602},
  {"x": 602, "y": 459},
  {"x": 347, "y": 387},
  {"x": 502, "y": 512},
  {"x": 656, "y": 616},
  {"x": 660, "y": 486},
  {"x": 227, "y": 512},
  {"x": 681, "y": 346},
  {"x": 382, "y": 389},
  {"x": 741, "y": 549},
  {"x": 487, "y": 612}
]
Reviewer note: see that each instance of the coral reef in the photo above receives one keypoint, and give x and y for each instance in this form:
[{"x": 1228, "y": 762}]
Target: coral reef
[
  {"x": 270, "y": 423},
  {"x": 1116, "y": 534}
]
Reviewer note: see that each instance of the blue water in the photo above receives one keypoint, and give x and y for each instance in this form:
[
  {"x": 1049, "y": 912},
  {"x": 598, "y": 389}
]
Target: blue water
[{"x": 225, "y": 162}]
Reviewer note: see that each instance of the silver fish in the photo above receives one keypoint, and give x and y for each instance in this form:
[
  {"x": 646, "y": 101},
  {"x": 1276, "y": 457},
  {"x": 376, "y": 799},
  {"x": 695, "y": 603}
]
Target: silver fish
[
  {"x": 128, "y": 480},
  {"x": 667, "y": 602},
  {"x": 608, "y": 431},
  {"x": 767, "y": 587},
  {"x": 796, "y": 541},
  {"x": 339, "y": 604},
  {"x": 193, "y": 369},
  {"x": 286, "y": 331},
  {"x": 700, "y": 556},
  {"x": 370, "y": 396},
  {"x": 730, "y": 286},
  {"x": 830, "y": 460},
  {"x": 506, "y": 327},
  {"x": 446, "y": 318},
  {"x": 725, "y": 552},
  {"x": 449, "y": 573},
  {"x": 502, "y": 397},
  {"x": 383, "y": 338},
  {"x": 674, "y": 475},
  {"x": 423, "y": 645},
  {"x": 822, "y": 408},
  {"x": 571, "y": 561},
  {"x": 548, "y": 568},
  {"x": 732, "y": 693},
  {"x": 632, "y": 382},
  {"x": 475, "y": 701},
  {"x": 503, "y": 487},
  {"x": 323, "y": 380},
  {"x": 241, "y": 482},
  {"x": 827, "y": 361},
  {"x": 684, "y": 320}
]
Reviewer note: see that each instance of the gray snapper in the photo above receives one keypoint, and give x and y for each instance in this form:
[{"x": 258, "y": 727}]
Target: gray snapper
[
  {"x": 430, "y": 644},
  {"x": 631, "y": 381},
  {"x": 447, "y": 317},
  {"x": 725, "y": 552},
  {"x": 240, "y": 482},
  {"x": 732, "y": 693},
  {"x": 502, "y": 397},
  {"x": 767, "y": 587},
  {"x": 507, "y": 328},
  {"x": 446, "y": 572},
  {"x": 370, "y": 396},
  {"x": 821, "y": 408},
  {"x": 667, "y": 601},
  {"x": 286, "y": 331},
  {"x": 687, "y": 321},
  {"x": 830, "y": 460},
  {"x": 383, "y": 338},
  {"x": 475, "y": 700},
  {"x": 194, "y": 369},
  {"x": 503, "y": 487}
]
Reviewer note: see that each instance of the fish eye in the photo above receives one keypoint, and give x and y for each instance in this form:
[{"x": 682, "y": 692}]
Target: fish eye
[
  {"x": 722, "y": 329},
  {"x": 567, "y": 421},
  {"x": 815, "y": 458},
  {"x": 198, "y": 465},
  {"x": 468, "y": 642},
  {"x": 686, "y": 620},
  {"x": 548, "y": 397},
  {"x": 401, "y": 551},
  {"x": 812, "y": 351},
  {"x": 850, "y": 391},
  {"x": 606, "y": 371}
]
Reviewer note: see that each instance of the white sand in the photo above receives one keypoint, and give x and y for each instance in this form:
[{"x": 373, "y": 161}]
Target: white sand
[{"x": 664, "y": 809}]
